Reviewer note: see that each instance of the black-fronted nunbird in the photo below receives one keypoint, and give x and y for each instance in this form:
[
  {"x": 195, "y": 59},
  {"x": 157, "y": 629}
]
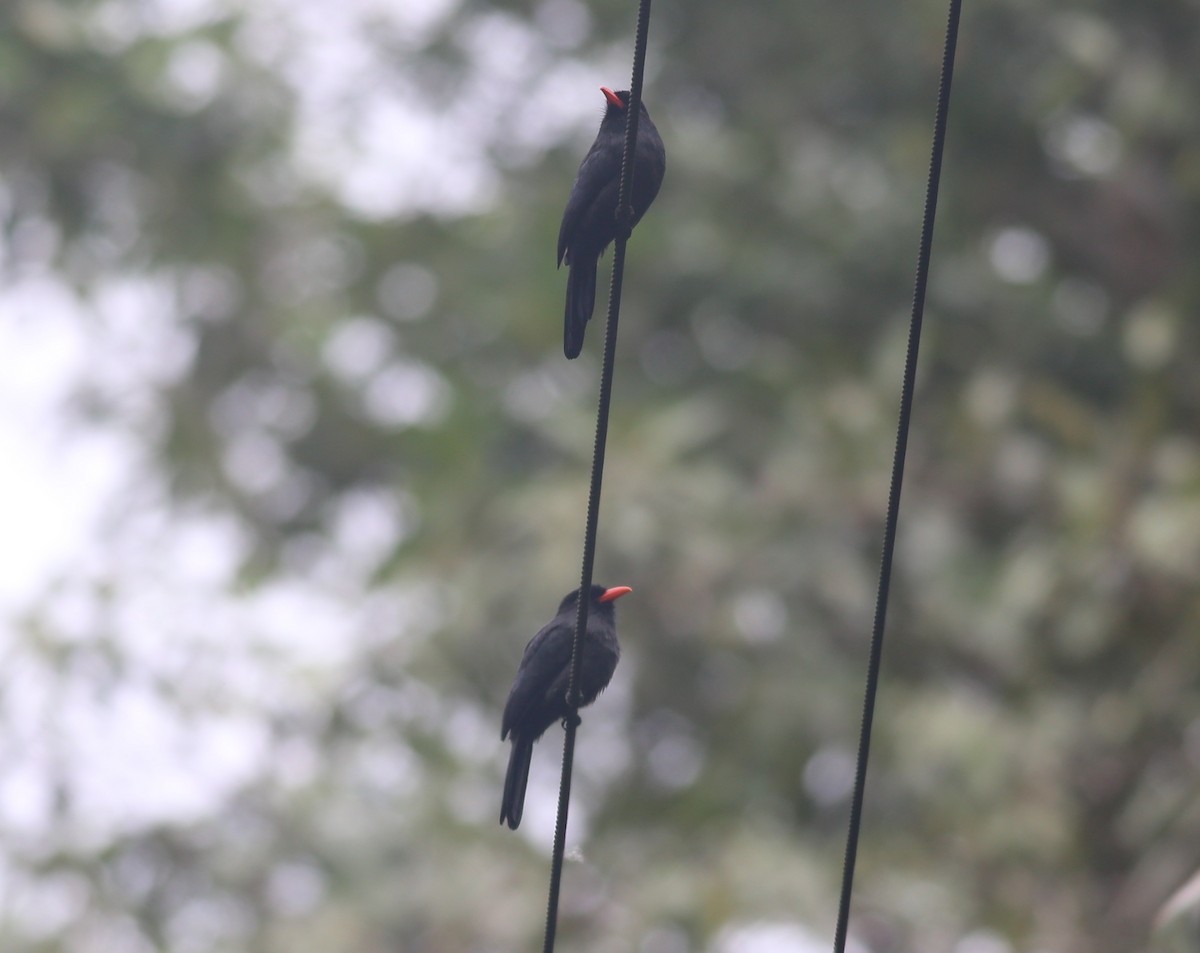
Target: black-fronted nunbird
[
  {"x": 539, "y": 693},
  {"x": 589, "y": 222}
]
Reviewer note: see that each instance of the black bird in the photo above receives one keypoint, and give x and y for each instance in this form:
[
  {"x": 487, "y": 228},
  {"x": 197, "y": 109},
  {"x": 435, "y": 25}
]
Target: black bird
[
  {"x": 539, "y": 694},
  {"x": 589, "y": 222}
]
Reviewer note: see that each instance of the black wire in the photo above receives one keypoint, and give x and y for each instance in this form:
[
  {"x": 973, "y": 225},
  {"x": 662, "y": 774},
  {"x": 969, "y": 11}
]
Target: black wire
[
  {"x": 893, "y": 509},
  {"x": 624, "y": 225}
]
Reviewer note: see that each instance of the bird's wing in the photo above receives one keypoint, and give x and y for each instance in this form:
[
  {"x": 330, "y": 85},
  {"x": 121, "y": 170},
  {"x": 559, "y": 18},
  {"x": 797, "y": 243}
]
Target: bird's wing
[
  {"x": 649, "y": 168},
  {"x": 598, "y": 168},
  {"x": 547, "y": 654}
]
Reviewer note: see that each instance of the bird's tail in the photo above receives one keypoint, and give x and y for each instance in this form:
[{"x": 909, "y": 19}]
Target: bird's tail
[
  {"x": 581, "y": 300},
  {"x": 513, "y": 803}
]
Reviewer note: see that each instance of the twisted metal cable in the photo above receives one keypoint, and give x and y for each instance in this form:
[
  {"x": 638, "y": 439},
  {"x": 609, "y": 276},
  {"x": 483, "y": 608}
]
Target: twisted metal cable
[
  {"x": 624, "y": 227},
  {"x": 893, "y": 508}
]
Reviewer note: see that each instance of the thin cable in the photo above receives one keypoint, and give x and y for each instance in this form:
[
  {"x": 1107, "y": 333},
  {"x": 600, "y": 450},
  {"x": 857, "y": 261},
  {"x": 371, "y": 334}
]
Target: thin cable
[
  {"x": 893, "y": 509},
  {"x": 624, "y": 220}
]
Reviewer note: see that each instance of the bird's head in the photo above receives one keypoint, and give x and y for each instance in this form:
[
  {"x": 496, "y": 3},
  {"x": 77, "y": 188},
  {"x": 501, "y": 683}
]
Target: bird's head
[
  {"x": 602, "y": 597},
  {"x": 618, "y": 105},
  {"x": 617, "y": 101}
]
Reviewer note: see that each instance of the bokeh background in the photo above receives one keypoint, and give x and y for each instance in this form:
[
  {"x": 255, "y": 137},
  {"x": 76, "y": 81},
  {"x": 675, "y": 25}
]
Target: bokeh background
[{"x": 293, "y": 466}]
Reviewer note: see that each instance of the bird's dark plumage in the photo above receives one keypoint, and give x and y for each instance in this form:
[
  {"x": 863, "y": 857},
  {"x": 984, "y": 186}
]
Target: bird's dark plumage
[
  {"x": 539, "y": 693},
  {"x": 589, "y": 222}
]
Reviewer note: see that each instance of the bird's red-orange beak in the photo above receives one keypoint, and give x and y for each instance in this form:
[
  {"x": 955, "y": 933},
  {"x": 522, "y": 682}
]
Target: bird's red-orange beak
[
  {"x": 615, "y": 593},
  {"x": 616, "y": 101}
]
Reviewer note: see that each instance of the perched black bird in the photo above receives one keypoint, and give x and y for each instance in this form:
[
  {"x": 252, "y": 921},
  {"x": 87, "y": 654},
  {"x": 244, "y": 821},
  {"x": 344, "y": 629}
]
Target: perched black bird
[
  {"x": 539, "y": 694},
  {"x": 590, "y": 220}
]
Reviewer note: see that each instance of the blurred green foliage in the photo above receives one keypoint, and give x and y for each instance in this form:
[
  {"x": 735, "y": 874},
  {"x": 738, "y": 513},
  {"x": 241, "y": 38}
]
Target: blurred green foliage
[{"x": 1034, "y": 782}]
